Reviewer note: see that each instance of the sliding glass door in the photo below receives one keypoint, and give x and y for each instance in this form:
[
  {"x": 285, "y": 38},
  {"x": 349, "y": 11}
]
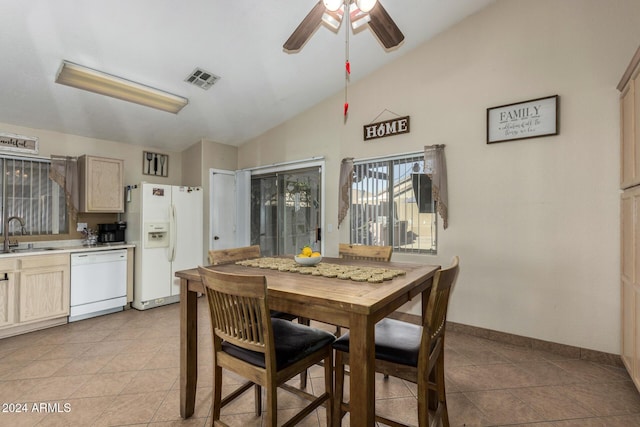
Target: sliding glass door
[{"x": 286, "y": 211}]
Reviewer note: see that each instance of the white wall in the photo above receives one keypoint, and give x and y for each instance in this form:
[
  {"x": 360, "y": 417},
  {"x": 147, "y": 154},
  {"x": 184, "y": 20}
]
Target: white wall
[
  {"x": 535, "y": 222},
  {"x": 63, "y": 144}
]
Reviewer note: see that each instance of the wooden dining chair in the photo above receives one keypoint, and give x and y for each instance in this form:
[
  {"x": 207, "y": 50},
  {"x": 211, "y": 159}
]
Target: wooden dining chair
[
  {"x": 227, "y": 256},
  {"x": 265, "y": 351},
  {"x": 411, "y": 352},
  {"x": 231, "y": 255},
  {"x": 365, "y": 252}
]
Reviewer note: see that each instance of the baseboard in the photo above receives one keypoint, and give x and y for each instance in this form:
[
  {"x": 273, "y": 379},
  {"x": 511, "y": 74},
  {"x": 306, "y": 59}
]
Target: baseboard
[
  {"x": 31, "y": 327},
  {"x": 518, "y": 340}
]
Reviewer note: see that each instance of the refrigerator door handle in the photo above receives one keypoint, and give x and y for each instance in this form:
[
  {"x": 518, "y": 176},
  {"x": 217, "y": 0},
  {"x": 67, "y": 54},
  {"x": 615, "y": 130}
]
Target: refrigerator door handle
[{"x": 172, "y": 233}]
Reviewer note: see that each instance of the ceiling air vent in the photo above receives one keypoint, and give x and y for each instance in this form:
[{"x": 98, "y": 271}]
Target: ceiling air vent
[{"x": 201, "y": 78}]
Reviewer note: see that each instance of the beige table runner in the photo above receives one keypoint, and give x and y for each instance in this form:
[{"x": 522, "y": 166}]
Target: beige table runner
[{"x": 346, "y": 272}]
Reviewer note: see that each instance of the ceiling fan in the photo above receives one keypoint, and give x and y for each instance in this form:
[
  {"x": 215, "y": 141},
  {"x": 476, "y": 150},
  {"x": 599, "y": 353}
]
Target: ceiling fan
[{"x": 360, "y": 12}]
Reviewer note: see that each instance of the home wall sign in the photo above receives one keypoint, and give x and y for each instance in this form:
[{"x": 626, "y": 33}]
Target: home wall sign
[
  {"x": 391, "y": 127},
  {"x": 18, "y": 143},
  {"x": 528, "y": 119}
]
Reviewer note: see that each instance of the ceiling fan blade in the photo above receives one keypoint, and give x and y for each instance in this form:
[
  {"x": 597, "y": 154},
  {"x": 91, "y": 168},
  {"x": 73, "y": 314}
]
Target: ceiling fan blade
[
  {"x": 384, "y": 28},
  {"x": 308, "y": 25}
]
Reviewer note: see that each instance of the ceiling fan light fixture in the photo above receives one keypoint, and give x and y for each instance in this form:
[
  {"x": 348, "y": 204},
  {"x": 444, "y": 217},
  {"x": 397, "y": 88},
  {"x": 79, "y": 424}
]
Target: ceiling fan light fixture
[
  {"x": 332, "y": 5},
  {"x": 91, "y": 80},
  {"x": 366, "y": 5},
  {"x": 357, "y": 17},
  {"x": 333, "y": 19}
]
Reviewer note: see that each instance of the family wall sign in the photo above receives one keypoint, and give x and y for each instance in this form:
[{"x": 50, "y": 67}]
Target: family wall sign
[{"x": 528, "y": 119}]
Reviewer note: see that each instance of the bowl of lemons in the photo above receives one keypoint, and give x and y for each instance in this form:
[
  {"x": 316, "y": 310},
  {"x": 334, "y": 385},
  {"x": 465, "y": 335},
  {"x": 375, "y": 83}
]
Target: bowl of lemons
[{"x": 308, "y": 257}]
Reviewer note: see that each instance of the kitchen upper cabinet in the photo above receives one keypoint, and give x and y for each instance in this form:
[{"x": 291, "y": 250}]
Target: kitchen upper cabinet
[
  {"x": 101, "y": 184},
  {"x": 629, "y": 87}
]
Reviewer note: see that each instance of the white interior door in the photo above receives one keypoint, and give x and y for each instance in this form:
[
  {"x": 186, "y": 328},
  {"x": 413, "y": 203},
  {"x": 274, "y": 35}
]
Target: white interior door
[{"x": 222, "y": 217}]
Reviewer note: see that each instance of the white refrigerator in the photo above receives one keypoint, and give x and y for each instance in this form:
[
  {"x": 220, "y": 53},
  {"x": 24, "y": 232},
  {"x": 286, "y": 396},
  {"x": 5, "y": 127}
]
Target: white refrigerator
[{"x": 165, "y": 224}]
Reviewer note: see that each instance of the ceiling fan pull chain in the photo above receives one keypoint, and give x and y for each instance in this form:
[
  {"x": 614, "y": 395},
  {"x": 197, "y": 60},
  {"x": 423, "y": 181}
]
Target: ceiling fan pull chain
[{"x": 346, "y": 80}]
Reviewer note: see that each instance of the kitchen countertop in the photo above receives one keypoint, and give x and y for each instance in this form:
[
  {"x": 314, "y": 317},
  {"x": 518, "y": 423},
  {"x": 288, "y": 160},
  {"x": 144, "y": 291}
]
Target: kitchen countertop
[{"x": 63, "y": 246}]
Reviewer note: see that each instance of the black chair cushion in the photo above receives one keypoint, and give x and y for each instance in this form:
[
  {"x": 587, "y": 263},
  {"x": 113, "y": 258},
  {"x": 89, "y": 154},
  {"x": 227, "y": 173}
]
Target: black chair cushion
[
  {"x": 292, "y": 343},
  {"x": 396, "y": 341},
  {"x": 282, "y": 315}
]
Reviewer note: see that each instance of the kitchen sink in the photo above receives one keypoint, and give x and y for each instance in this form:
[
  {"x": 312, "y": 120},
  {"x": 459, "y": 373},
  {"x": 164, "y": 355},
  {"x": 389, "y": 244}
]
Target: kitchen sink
[{"x": 22, "y": 250}]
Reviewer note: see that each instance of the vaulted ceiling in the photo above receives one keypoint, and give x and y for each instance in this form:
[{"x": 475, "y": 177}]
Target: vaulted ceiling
[{"x": 160, "y": 42}]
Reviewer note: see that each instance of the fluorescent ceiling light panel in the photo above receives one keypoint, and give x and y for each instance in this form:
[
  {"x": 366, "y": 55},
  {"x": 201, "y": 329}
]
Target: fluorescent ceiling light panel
[{"x": 80, "y": 77}]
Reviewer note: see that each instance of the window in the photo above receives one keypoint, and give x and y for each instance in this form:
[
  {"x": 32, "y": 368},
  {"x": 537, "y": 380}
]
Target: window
[
  {"x": 391, "y": 204},
  {"x": 27, "y": 192}
]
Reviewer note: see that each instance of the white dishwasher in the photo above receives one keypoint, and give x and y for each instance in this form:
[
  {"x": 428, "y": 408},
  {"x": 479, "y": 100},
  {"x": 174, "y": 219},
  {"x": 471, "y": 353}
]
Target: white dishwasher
[{"x": 98, "y": 283}]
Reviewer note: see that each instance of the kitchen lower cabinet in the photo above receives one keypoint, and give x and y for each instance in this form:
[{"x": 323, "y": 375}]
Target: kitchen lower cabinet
[
  {"x": 7, "y": 300},
  {"x": 44, "y": 287},
  {"x": 34, "y": 293},
  {"x": 630, "y": 277}
]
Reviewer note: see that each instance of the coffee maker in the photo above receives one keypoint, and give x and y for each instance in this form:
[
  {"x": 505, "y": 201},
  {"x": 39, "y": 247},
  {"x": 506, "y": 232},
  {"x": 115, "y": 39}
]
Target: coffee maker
[{"x": 112, "y": 233}]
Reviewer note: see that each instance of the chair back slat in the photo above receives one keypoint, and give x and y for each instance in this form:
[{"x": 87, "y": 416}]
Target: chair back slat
[
  {"x": 228, "y": 256},
  {"x": 239, "y": 313},
  {"x": 365, "y": 252},
  {"x": 436, "y": 313}
]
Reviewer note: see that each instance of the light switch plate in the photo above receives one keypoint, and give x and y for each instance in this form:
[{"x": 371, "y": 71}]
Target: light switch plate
[{"x": 81, "y": 226}]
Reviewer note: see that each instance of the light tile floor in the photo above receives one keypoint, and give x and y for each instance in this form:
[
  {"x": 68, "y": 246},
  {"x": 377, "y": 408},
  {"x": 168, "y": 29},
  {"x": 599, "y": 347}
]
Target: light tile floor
[{"x": 122, "y": 369}]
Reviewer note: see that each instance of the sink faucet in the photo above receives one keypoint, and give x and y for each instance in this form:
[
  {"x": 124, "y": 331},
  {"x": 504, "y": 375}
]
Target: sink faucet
[{"x": 6, "y": 230}]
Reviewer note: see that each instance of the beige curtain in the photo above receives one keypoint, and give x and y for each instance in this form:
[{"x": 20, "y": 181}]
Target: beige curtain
[
  {"x": 64, "y": 171},
  {"x": 435, "y": 167},
  {"x": 346, "y": 180}
]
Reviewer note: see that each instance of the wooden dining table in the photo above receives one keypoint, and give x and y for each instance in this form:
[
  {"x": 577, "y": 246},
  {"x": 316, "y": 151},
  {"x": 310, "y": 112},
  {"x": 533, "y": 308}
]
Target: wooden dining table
[{"x": 342, "y": 302}]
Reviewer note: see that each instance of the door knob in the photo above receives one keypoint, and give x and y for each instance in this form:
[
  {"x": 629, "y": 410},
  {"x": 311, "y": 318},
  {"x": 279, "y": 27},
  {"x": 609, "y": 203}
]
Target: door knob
[{"x": 216, "y": 238}]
